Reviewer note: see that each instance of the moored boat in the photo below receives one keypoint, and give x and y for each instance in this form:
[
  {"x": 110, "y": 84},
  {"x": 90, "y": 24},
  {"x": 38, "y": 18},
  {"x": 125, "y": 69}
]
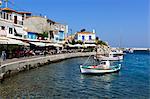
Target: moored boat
[
  {"x": 103, "y": 67},
  {"x": 112, "y": 56}
]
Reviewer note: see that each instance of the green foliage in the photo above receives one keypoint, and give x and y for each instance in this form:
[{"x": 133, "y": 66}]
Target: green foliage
[
  {"x": 79, "y": 42},
  {"x": 73, "y": 42},
  {"x": 100, "y": 42},
  {"x": 45, "y": 34},
  {"x": 97, "y": 38}
]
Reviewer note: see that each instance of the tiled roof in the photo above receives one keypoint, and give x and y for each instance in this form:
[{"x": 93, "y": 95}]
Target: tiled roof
[
  {"x": 11, "y": 10},
  {"x": 24, "y": 12},
  {"x": 85, "y": 33},
  {"x": 8, "y": 9}
]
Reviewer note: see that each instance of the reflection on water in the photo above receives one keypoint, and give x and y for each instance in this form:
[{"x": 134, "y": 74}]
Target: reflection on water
[{"x": 63, "y": 80}]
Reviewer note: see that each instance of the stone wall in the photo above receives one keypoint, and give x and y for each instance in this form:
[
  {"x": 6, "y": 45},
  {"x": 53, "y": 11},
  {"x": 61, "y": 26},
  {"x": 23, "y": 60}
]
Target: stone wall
[{"x": 14, "y": 67}]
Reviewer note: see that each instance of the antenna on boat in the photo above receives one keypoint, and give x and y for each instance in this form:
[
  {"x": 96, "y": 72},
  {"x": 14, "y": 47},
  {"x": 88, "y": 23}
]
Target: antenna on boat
[{"x": 120, "y": 39}]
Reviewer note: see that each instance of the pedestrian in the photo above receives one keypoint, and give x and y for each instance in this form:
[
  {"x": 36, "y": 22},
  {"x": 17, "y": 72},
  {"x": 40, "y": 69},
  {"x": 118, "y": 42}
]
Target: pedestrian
[{"x": 3, "y": 56}]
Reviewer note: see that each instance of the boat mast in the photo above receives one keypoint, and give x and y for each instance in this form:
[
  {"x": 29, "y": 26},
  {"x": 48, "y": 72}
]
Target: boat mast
[{"x": 120, "y": 40}]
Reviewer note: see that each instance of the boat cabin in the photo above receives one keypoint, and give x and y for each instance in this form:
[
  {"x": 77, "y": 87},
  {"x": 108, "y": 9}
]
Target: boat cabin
[{"x": 105, "y": 64}]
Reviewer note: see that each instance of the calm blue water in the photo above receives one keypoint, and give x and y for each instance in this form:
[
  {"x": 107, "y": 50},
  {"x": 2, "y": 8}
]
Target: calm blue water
[{"x": 63, "y": 80}]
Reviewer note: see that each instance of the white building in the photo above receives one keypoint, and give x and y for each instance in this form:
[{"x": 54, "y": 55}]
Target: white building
[
  {"x": 86, "y": 37},
  {"x": 11, "y": 22}
]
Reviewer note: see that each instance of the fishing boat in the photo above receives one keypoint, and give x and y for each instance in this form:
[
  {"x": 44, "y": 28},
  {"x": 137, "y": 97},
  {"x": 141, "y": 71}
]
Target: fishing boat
[{"x": 103, "y": 67}]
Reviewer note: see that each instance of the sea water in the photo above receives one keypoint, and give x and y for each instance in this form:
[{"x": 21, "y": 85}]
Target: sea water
[{"x": 63, "y": 80}]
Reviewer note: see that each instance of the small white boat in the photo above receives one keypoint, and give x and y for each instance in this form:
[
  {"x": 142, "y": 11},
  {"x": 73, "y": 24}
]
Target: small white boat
[
  {"x": 130, "y": 50},
  {"x": 104, "y": 67},
  {"x": 112, "y": 56}
]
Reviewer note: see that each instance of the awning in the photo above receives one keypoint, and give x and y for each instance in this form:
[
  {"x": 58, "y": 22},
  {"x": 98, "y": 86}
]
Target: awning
[
  {"x": 39, "y": 44},
  {"x": 89, "y": 45},
  {"x": 54, "y": 44},
  {"x": 5, "y": 40},
  {"x": 76, "y": 45},
  {"x": 71, "y": 45}
]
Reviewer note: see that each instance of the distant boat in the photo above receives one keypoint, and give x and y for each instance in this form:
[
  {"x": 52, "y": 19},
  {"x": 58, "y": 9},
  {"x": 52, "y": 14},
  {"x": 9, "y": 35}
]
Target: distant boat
[
  {"x": 103, "y": 67},
  {"x": 112, "y": 56},
  {"x": 130, "y": 50}
]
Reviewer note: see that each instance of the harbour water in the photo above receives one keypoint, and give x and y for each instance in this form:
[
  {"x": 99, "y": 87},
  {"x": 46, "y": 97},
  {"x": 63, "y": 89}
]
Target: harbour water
[{"x": 63, "y": 80}]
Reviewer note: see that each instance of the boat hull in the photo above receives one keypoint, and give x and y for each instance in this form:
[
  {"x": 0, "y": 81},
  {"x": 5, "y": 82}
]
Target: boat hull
[
  {"x": 110, "y": 58},
  {"x": 99, "y": 71}
]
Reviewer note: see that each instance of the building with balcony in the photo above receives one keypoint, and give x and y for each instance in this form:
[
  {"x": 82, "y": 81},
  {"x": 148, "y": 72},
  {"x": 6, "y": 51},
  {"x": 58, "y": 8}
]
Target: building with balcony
[
  {"x": 36, "y": 26},
  {"x": 61, "y": 31},
  {"x": 11, "y": 22}
]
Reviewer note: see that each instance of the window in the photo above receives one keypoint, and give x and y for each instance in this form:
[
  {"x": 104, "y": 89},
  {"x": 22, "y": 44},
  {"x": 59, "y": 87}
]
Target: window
[
  {"x": 90, "y": 37},
  {"x": 83, "y": 38},
  {"x": 10, "y": 17},
  {"x": 15, "y": 19},
  {"x": 7, "y": 16},
  {"x": 57, "y": 38},
  {"x": 2, "y": 27},
  {"x": 10, "y": 31},
  {"x": 4, "y": 15}
]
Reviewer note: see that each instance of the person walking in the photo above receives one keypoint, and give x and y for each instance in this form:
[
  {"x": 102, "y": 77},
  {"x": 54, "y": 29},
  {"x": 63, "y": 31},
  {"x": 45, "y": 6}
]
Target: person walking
[{"x": 3, "y": 56}]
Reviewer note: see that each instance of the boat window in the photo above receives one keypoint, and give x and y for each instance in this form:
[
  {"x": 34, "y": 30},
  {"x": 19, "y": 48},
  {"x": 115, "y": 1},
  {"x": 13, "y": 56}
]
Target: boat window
[{"x": 103, "y": 63}]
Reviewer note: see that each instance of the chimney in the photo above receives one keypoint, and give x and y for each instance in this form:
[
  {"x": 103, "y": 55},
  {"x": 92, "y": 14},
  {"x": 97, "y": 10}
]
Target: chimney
[{"x": 93, "y": 30}]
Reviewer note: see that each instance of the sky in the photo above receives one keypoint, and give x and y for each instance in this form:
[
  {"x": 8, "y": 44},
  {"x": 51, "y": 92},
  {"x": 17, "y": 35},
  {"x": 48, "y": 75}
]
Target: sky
[{"x": 121, "y": 23}]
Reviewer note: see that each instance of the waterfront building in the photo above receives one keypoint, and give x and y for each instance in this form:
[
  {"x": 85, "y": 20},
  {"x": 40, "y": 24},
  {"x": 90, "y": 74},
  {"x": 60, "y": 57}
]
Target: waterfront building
[
  {"x": 61, "y": 31},
  {"x": 12, "y": 31},
  {"x": 35, "y": 27},
  {"x": 42, "y": 28},
  {"x": 85, "y": 37},
  {"x": 11, "y": 23}
]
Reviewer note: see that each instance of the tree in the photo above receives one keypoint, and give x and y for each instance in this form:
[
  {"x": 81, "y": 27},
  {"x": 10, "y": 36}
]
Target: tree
[
  {"x": 72, "y": 42},
  {"x": 83, "y": 30},
  {"x": 97, "y": 38},
  {"x": 79, "y": 42}
]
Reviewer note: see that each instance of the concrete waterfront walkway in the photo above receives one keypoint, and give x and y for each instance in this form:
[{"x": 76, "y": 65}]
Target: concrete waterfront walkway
[
  {"x": 12, "y": 66},
  {"x": 19, "y": 59}
]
